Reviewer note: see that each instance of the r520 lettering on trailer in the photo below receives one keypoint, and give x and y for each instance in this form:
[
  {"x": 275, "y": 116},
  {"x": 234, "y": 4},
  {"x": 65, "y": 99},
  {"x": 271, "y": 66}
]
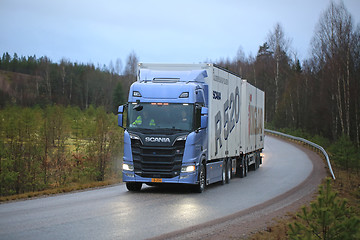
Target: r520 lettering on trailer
[{"x": 231, "y": 113}]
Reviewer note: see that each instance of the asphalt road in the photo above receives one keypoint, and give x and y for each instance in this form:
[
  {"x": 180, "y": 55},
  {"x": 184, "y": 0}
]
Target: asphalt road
[{"x": 115, "y": 213}]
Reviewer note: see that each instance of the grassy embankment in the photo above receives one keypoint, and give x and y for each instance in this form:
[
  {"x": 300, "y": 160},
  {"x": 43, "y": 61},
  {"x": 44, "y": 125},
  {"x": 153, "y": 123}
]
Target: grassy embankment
[
  {"x": 345, "y": 159},
  {"x": 57, "y": 149}
]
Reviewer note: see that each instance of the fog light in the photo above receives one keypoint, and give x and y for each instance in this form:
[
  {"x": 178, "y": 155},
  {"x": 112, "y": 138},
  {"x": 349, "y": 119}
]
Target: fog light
[
  {"x": 183, "y": 177},
  {"x": 130, "y": 175}
]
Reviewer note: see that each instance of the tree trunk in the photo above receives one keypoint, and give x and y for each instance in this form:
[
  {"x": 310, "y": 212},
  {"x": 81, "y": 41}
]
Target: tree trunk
[
  {"x": 70, "y": 90},
  {"x": 276, "y": 84},
  {"x": 48, "y": 83},
  {"x": 63, "y": 74},
  {"x": 357, "y": 124},
  {"x": 347, "y": 93},
  {"x": 340, "y": 105}
]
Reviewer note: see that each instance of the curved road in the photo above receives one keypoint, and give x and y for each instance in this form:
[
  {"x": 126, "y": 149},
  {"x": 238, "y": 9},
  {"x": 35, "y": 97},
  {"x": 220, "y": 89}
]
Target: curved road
[{"x": 115, "y": 213}]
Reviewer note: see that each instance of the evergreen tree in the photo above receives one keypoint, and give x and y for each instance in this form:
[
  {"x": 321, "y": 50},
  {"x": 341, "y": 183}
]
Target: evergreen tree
[
  {"x": 328, "y": 218},
  {"x": 345, "y": 153},
  {"x": 118, "y": 97}
]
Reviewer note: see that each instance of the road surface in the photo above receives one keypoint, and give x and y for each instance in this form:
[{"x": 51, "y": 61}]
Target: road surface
[{"x": 115, "y": 213}]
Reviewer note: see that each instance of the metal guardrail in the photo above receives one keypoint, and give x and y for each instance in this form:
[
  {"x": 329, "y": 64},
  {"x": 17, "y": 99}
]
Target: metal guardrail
[{"x": 309, "y": 143}]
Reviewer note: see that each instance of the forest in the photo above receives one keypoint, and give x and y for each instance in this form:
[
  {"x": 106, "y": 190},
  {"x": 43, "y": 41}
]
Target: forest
[
  {"x": 57, "y": 122},
  {"x": 55, "y": 146},
  {"x": 30, "y": 81},
  {"x": 319, "y": 95}
]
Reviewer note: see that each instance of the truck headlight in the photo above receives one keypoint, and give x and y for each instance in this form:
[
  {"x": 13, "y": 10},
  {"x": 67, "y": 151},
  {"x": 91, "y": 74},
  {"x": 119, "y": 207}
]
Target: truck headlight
[
  {"x": 128, "y": 167},
  {"x": 181, "y": 138},
  {"x": 188, "y": 169},
  {"x": 133, "y": 136}
]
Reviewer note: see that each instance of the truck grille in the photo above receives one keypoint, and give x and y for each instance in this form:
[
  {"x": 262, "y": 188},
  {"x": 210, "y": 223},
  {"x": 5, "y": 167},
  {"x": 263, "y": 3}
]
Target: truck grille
[{"x": 157, "y": 162}]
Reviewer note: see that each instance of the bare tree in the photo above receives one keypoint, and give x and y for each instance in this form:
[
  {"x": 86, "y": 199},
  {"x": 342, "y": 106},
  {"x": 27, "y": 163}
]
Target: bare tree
[
  {"x": 240, "y": 60},
  {"x": 62, "y": 71},
  {"x": 130, "y": 70},
  {"x": 131, "y": 64},
  {"x": 118, "y": 66},
  {"x": 45, "y": 65},
  {"x": 111, "y": 67},
  {"x": 279, "y": 45},
  {"x": 333, "y": 50}
]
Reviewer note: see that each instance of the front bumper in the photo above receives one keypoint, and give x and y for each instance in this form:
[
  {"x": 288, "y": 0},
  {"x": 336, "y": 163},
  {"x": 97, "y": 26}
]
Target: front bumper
[{"x": 185, "y": 178}]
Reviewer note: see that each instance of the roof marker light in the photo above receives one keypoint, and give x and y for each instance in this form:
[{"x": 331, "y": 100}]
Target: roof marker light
[
  {"x": 136, "y": 94},
  {"x": 184, "y": 95}
]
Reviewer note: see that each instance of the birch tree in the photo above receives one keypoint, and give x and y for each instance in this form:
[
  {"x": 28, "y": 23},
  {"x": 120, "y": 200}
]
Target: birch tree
[
  {"x": 334, "y": 46},
  {"x": 279, "y": 45},
  {"x": 131, "y": 64},
  {"x": 45, "y": 65}
]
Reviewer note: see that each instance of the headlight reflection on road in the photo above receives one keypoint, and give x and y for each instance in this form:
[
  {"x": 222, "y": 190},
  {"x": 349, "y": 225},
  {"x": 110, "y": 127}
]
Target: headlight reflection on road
[{"x": 188, "y": 208}]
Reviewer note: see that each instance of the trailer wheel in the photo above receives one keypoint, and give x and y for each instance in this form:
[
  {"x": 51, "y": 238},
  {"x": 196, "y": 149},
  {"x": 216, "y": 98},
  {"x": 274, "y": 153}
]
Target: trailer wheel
[
  {"x": 229, "y": 170},
  {"x": 242, "y": 172},
  {"x": 200, "y": 187},
  {"x": 133, "y": 186},
  {"x": 223, "y": 173},
  {"x": 257, "y": 161},
  {"x": 246, "y": 166}
]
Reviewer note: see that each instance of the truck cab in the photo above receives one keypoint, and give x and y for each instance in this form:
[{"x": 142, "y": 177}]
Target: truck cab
[{"x": 165, "y": 122}]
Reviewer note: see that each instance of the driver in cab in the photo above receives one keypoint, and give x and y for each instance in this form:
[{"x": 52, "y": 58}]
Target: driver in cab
[{"x": 144, "y": 120}]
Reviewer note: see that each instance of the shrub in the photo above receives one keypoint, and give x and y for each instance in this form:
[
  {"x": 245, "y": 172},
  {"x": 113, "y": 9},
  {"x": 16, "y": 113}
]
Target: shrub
[
  {"x": 344, "y": 153},
  {"x": 328, "y": 218}
]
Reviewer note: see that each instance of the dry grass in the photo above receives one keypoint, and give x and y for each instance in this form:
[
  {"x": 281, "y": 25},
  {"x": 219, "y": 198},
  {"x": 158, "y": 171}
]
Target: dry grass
[{"x": 70, "y": 188}]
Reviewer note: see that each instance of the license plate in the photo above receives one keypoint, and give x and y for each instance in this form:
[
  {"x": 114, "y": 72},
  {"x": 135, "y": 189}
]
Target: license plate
[{"x": 156, "y": 180}]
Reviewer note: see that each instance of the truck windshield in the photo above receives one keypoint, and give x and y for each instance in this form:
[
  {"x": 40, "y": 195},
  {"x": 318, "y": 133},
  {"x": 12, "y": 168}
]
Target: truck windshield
[{"x": 160, "y": 116}]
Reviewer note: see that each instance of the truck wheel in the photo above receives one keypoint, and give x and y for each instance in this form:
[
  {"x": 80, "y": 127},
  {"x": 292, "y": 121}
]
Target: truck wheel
[
  {"x": 257, "y": 160},
  {"x": 229, "y": 170},
  {"x": 133, "y": 186},
  {"x": 200, "y": 187},
  {"x": 223, "y": 173},
  {"x": 242, "y": 168},
  {"x": 246, "y": 166}
]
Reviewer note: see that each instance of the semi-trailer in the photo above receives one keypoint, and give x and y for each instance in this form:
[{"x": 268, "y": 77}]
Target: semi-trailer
[{"x": 193, "y": 124}]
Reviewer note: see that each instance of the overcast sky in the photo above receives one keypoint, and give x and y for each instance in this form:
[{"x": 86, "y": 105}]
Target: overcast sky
[{"x": 185, "y": 31}]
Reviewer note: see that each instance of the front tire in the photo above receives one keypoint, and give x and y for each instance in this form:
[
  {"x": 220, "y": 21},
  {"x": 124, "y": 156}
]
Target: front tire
[
  {"x": 133, "y": 186},
  {"x": 200, "y": 187}
]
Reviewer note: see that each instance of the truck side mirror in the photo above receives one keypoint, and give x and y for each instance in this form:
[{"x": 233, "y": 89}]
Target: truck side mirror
[
  {"x": 204, "y": 117},
  {"x": 120, "y": 116}
]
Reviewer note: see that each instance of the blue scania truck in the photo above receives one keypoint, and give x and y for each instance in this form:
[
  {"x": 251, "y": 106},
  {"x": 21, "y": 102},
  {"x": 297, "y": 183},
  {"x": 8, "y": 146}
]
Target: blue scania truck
[{"x": 193, "y": 124}]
